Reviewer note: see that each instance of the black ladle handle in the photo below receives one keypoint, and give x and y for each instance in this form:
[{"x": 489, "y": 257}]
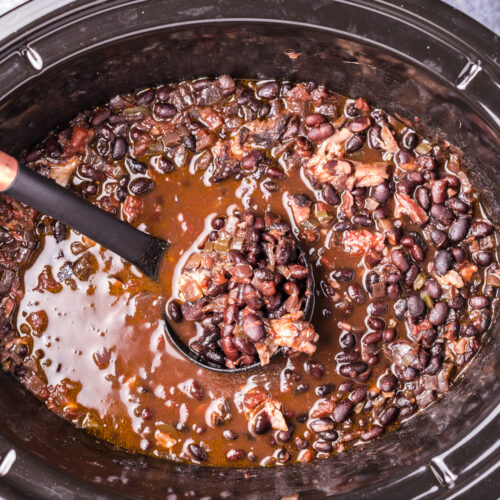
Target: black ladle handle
[{"x": 138, "y": 248}]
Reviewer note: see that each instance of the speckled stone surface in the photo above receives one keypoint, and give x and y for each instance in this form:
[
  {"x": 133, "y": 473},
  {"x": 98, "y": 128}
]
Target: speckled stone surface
[{"x": 487, "y": 12}]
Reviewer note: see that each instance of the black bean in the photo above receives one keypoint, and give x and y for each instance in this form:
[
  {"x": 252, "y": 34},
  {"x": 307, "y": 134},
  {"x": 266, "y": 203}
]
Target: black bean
[
  {"x": 388, "y": 382},
  {"x": 458, "y": 254},
  {"x": 329, "y": 435},
  {"x": 416, "y": 306},
  {"x": 377, "y": 308},
  {"x": 457, "y": 205},
  {"x": 479, "y": 302},
  {"x": 343, "y": 274},
  {"x": 354, "y": 143},
  {"x": 433, "y": 289},
  {"x": 60, "y": 230},
  {"x": 135, "y": 166},
  {"x": 482, "y": 259},
  {"x": 262, "y": 423},
  {"x": 405, "y": 186},
  {"x": 268, "y": 90},
  {"x": 215, "y": 356},
  {"x": 356, "y": 293},
  {"x": 439, "y": 313},
  {"x": 380, "y": 193},
  {"x": 399, "y": 259},
  {"x": 302, "y": 388},
  {"x": 359, "y": 394},
  {"x": 314, "y": 119},
  {"x": 90, "y": 188},
  {"x": 410, "y": 140},
  {"x": 376, "y": 324},
  {"x": 347, "y": 340},
  {"x": 322, "y": 446},
  {"x": 119, "y": 148},
  {"x": 197, "y": 452},
  {"x": 459, "y": 229},
  {"x": 380, "y": 213},
  {"x": 244, "y": 345},
  {"x": 443, "y": 262},
  {"x": 389, "y": 334},
  {"x": 322, "y": 424},
  {"x": 253, "y": 327},
  {"x": 374, "y": 432},
  {"x": 439, "y": 238},
  {"x": 329, "y": 194},
  {"x": 471, "y": 331},
  {"x": 457, "y": 302},
  {"x": 324, "y": 390},
  {"x": 320, "y": 132},
  {"x": 285, "y": 436},
  {"x": 163, "y": 110},
  {"x": 100, "y": 116},
  {"x": 375, "y": 137},
  {"x": 438, "y": 191},
  {"x": 481, "y": 228},
  {"x": 174, "y": 311},
  {"x": 359, "y": 124},
  {"x": 141, "y": 186},
  {"x": 352, "y": 369},
  {"x": 388, "y": 416},
  {"x": 442, "y": 214},
  {"x": 423, "y": 197},
  {"x": 342, "y": 411}
]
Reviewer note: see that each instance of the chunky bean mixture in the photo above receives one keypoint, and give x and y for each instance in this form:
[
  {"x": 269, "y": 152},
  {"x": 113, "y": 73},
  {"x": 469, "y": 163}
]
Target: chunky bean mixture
[{"x": 237, "y": 176}]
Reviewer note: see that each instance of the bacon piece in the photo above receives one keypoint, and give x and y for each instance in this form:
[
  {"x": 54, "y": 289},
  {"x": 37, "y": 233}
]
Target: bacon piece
[
  {"x": 291, "y": 330},
  {"x": 411, "y": 208},
  {"x": 370, "y": 175},
  {"x": 359, "y": 242},
  {"x": 322, "y": 408},
  {"x": 132, "y": 207},
  {"x": 467, "y": 270}
]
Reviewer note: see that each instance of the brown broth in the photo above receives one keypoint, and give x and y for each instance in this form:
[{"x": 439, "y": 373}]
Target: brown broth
[{"x": 106, "y": 360}]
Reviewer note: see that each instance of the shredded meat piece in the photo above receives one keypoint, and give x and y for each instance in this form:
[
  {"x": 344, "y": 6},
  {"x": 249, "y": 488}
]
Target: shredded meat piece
[
  {"x": 301, "y": 208},
  {"x": 165, "y": 440},
  {"x": 193, "y": 283},
  {"x": 370, "y": 175},
  {"x": 291, "y": 330},
  {"x": 411, "y": 208},
  {"x": 62, "y": 173},
  {"x": 451, "y": 278},
  {"x": 273, "y": 409},
  {"x": 331, "y": 148},
  {"x": 265, "y": 350},
  {"x": 389, "y": 143},
  {"x": 359, "y": 242}
]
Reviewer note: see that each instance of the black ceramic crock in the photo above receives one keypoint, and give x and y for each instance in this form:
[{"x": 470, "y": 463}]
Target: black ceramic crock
[{"x": 414, "y": 58}]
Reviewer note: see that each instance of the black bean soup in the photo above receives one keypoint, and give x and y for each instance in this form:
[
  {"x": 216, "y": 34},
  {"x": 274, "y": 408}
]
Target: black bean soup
[{"x": 268, "y": 192}]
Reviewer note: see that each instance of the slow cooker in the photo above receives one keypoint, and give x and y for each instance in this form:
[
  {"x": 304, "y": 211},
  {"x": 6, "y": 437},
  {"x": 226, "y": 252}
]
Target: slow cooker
[{"x": 414, "y": 58}]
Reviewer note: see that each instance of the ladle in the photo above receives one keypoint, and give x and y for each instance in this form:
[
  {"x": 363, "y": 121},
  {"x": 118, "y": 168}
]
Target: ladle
[{"x": 140, "y": 249}]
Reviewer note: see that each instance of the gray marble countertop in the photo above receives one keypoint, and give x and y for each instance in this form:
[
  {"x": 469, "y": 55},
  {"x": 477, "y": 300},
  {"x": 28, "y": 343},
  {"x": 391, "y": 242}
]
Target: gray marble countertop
[{"x": 486, "y": 12}]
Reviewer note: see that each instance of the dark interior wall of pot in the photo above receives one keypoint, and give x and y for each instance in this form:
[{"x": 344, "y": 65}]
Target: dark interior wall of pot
[{"x": 253, "y": 50}]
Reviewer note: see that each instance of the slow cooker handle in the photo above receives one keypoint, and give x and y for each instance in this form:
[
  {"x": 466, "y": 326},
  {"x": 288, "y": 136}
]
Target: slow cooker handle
[{"x": 138, "y": 248}]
